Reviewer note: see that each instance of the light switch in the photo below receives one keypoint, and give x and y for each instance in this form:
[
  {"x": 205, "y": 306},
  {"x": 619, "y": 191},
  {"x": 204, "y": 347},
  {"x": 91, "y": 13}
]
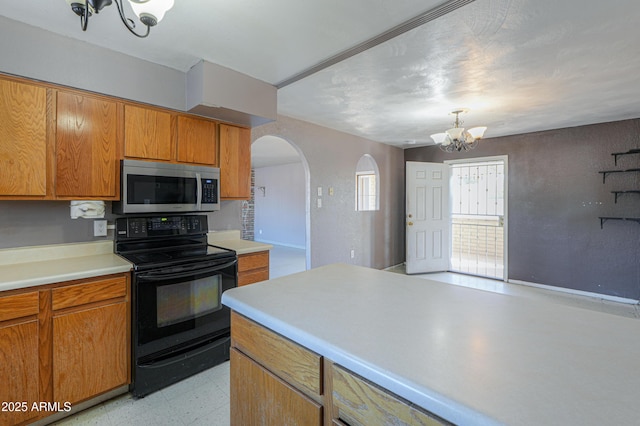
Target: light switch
[
  {"x": 319, "y": 191},
  {"x": 319, "y": 203},
  {"x": 331, "y": 191}
]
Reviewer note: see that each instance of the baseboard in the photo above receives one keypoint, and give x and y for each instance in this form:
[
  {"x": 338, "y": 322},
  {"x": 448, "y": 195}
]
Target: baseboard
[
  {"x": 577, "y": 292},
  {"x": 277, "y": 243}
]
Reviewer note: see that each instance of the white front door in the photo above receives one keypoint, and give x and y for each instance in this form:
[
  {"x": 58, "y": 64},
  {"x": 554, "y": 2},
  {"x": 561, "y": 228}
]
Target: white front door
[{"x": 427, "y": 217}]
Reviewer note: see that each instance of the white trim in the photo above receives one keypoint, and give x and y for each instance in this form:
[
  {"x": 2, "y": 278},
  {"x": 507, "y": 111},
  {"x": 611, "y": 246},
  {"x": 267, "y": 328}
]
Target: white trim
[{"x": 577, "y": 292}]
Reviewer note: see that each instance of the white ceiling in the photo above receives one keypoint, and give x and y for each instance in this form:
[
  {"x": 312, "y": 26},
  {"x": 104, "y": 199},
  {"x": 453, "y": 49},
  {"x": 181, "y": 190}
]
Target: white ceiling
[{"x": 518, "y": 65}]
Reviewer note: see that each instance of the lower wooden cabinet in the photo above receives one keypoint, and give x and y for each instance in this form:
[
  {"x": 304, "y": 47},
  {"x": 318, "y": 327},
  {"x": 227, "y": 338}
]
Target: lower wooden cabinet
[
  {"x": 89, "y": 352},
  {"x": 276, "y": 381},
  {"x": 358, "y": 402},
  {"x": 258, "y": 397},
  {"x": 62, "y": 344},
  {"x": 253, "y": 267},
  {"x": 19, "y": 364}
]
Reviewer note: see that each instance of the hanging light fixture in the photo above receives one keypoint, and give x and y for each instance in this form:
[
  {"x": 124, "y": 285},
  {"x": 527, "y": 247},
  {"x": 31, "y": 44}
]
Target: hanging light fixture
[
  {"x": 457, "y": 139},
  {"x": 149, "y": 12}
]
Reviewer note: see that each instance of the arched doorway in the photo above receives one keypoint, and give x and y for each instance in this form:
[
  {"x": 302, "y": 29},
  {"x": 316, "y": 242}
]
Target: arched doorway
[{"x": 281, "y": 203}]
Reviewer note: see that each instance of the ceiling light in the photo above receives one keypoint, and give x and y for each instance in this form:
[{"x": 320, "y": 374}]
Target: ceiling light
[
  {"x": 457, "y": 139},
  {"x": 149, "y": 12}
]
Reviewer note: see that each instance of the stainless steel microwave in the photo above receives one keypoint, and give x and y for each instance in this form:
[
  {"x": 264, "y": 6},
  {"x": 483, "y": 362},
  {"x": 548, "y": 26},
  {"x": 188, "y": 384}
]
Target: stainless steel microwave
[{"x": 151, "y": 187}]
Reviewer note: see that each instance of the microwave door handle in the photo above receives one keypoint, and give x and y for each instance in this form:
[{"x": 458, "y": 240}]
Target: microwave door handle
[
  {"x": 199, "y": 192},
  {"x": 160, "y": 276}
]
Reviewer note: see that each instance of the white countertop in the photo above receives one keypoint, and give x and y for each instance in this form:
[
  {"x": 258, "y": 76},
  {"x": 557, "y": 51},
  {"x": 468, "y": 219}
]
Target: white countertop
[
  {"x": 467, "y": 355},
  {"x": 231, "y": 240},
  {"x": 38, "y": 265}
]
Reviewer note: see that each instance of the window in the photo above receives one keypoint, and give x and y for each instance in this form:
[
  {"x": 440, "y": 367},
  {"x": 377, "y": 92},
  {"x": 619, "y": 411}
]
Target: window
[{"x": 367, "y": 184}]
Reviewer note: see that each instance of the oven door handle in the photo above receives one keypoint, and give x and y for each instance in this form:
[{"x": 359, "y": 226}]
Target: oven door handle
[{"x": 185, "y": 272}]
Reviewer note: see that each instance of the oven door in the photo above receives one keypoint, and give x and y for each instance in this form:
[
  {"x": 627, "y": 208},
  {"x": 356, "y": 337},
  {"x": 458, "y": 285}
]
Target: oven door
[{"x": 177, "y": 306}]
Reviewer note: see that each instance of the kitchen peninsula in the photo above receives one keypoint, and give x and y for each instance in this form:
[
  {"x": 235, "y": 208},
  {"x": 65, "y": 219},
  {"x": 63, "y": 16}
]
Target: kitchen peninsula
[{"x": 334, "y": 341}]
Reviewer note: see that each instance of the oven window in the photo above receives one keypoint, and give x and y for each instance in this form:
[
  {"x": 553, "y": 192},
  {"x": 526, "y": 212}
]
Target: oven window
[{"x": 188, "y": 300}]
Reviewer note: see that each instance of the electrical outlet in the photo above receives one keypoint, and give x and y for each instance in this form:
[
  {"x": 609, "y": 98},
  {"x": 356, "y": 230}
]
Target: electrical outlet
[
  {"x": 353, "y": 254},
  {"x": 99, "y": 228}
]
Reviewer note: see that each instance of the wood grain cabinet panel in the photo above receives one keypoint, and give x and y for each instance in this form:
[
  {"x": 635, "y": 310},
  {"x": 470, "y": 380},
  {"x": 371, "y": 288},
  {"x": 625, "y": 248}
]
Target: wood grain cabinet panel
[
  {"x": 235, "y": 162},
  {"x": 23, "y": 139},
  {"x": 197, "y": 141},
  {"x": 253, "y": 267},
  {"x": 288, "y": 360},
  {"x": 19, "y": 371},
  {"x": 19, "y": 305},
  {"x": 89, "y": 292},
  {"x": 89, "y": 352},
  {"x": 261, "y": 398},
  {"x": 86, "y": 146},
  {"x": 360, "y": 403},
  {"x": 147, "y": 133}
]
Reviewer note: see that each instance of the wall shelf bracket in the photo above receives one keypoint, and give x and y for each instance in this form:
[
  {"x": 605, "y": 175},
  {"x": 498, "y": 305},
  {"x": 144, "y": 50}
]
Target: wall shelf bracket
[{"x": 629, "y": 219}]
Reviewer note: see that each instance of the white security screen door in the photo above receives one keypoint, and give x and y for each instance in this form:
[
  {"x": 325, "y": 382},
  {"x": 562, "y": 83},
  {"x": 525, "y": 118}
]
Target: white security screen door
[
  {"x": 428, "y": 218},
  {"x": 478, "y": 218}
]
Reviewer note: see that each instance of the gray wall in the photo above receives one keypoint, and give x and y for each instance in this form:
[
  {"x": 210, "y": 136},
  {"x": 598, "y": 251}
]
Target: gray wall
[
  {"x": 376, "y": 237},
  {"x": 280, "y": 210},
  {"x": 555, "y": 198},
  {"x": 34, "y": 223},
  {"x": 41, "y": 55}
]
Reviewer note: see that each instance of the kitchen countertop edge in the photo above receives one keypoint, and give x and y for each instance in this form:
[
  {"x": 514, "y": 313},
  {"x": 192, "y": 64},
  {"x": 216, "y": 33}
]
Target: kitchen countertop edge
[{"x": 75, "y": 262}]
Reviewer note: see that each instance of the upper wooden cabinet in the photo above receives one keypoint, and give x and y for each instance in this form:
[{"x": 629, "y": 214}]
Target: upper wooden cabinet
[
  {"x": 87, "y": 149},
  {"x": 235, "y": 162},
  {"x": 156, "y": 134},
  {"x": 196, "y": 141},
  {"x": 23, "y": 139},
  {"x": 147, "y": 133}
]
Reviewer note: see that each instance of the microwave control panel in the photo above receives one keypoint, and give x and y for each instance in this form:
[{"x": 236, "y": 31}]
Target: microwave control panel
[{"x": 209, "y": 191}]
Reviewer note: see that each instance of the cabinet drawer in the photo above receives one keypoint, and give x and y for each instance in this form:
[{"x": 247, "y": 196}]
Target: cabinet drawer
[
  {"x": 80, "y": 294},
  {"x": 248, "y": 262},
  {"x": 251, "y": 277},
  {"x": 286, "y": 359},
  {"x": 18, "y": 306},
  {"x": 360, "y": 403}
]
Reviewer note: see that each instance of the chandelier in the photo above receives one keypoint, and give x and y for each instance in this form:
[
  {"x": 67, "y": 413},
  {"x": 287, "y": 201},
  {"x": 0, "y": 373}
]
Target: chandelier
[
  {"x": 457, "y": 139},
  {"x": 149, "y": 12}
]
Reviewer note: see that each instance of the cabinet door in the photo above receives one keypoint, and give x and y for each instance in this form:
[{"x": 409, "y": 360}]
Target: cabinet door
[
  {"x": 147, "y": 133},
  {"x": 196, "y": 141},
  {"x": 235, "y": 162},
  {"x": 86, "y": 147},
  {"x": 259, "y": 397},
  {"x": 19, "y": 362},
  {"x": 23, "y": 139},
  {"x": 89, "y": 352},
  {"x": 19, "y": 372}
]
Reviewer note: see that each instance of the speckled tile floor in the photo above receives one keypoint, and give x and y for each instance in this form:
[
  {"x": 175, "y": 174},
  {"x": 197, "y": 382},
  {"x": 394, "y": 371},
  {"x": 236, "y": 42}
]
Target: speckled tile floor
[{"x": 202, "y": 399}]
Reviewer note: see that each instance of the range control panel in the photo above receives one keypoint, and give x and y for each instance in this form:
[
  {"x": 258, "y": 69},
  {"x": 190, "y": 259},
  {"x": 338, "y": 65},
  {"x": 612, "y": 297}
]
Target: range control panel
[{"x": 160, "y": 226}]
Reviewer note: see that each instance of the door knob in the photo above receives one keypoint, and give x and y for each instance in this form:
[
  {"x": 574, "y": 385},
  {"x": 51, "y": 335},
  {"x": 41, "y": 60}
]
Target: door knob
[{"x": 410, "y": 223}]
